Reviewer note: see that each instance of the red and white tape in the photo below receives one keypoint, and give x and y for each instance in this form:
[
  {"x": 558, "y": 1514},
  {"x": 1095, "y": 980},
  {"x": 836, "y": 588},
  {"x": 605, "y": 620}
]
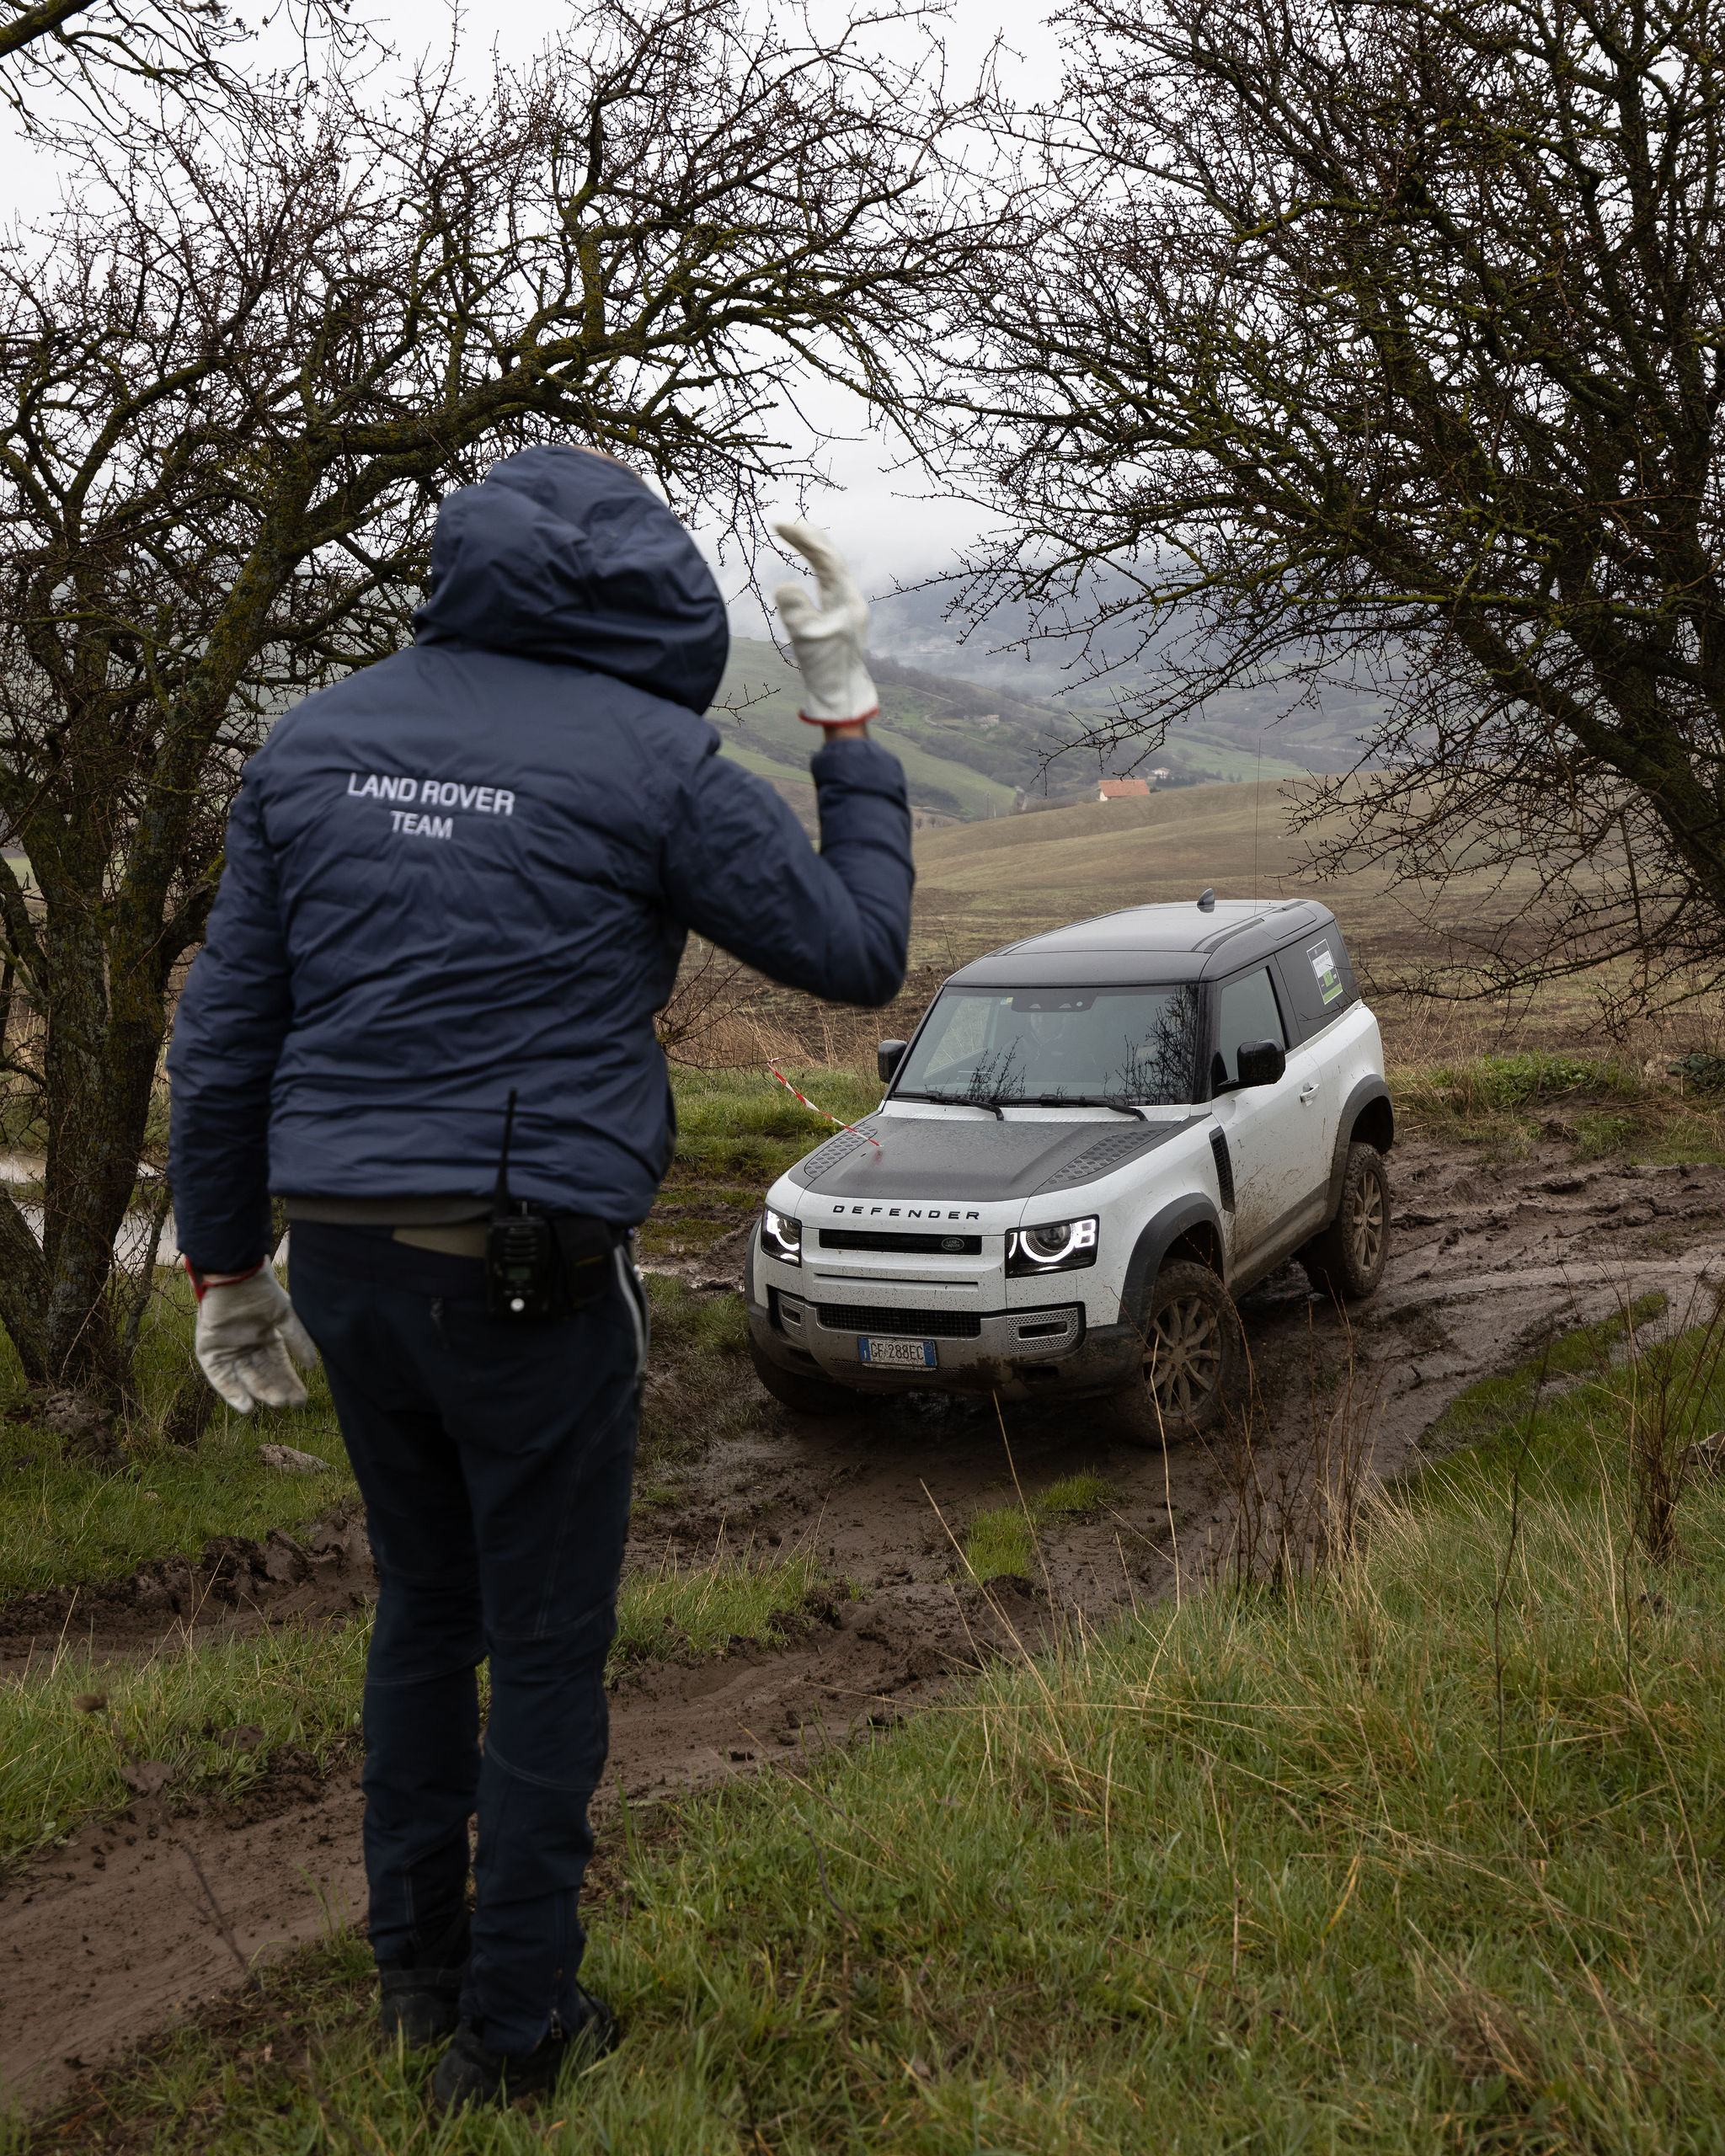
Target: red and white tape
[{"x": 821, "y": 1113}]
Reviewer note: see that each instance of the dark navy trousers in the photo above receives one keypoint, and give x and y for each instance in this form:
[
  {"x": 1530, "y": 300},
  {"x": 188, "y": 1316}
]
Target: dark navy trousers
[{"x": 496, "y": 1461}]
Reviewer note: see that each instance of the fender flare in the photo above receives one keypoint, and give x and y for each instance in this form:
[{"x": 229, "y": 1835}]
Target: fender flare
[
  {"x": 1365, "y": 1094},
  {"x": 1159, "y": 1232}
]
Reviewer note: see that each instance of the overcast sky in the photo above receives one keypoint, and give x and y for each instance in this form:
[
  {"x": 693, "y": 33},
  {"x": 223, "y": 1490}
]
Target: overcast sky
[{"x": 881, "y": 518}]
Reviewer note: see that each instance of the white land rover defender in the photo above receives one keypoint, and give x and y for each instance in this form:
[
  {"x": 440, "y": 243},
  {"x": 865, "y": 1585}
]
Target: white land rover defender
[{"x": 1096, "y": 1140}]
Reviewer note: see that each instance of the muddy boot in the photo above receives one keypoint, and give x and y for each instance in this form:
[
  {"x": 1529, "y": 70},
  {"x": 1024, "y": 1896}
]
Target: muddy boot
[
  {"x": 420, "y": 2001},
  {"x": 469, "y": 2073}
]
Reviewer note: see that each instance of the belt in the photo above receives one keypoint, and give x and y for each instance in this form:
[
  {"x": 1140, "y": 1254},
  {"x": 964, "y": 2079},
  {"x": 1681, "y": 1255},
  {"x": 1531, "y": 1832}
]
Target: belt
[{"x": 466, "y": 1239}]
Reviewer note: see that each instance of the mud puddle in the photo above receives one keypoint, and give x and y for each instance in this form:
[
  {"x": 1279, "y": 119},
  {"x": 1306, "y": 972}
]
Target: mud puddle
[{"x": 1486, "y": 1260}]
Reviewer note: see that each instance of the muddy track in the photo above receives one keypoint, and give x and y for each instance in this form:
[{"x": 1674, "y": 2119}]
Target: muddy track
[
  {"x": 113, "y": 1935},
  {"x": 235, "y": 1585}
]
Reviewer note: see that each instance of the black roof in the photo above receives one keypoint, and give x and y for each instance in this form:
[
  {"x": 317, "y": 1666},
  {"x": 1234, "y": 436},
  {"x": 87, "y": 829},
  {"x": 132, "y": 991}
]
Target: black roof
[{"x": 1147, "y": 944}]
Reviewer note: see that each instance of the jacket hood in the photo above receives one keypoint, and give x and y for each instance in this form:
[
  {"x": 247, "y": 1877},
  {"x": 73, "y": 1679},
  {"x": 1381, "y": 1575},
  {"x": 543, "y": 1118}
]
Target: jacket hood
[{"x": 563, "y": 556}]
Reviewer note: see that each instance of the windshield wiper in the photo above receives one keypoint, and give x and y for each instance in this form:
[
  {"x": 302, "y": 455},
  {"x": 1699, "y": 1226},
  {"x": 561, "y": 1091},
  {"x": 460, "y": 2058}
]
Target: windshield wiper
[
  {"x": 955, "y": 1100},
  {"x": 1090, "y": 1101}
]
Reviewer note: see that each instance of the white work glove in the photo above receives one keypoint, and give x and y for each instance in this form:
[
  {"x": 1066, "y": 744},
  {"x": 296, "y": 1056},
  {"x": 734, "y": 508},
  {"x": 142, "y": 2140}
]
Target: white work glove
[
  {"x": 828, "y": 639},
  {"x": 246, "y": 1333}
]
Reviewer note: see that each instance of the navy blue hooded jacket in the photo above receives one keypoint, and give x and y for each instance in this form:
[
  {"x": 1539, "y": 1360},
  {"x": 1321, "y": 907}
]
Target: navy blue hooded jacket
[{"x": 472, "y": 867}]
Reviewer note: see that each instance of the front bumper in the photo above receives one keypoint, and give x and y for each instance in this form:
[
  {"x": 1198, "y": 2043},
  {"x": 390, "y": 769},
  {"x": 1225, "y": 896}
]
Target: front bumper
[{"x": 1017, "y": 1353}]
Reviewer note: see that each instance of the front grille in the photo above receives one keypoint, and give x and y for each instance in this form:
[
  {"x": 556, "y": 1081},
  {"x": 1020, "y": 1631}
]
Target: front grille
[
  {"x": 933, "y": 1324},
  {"x": 878, "y": 1239}
]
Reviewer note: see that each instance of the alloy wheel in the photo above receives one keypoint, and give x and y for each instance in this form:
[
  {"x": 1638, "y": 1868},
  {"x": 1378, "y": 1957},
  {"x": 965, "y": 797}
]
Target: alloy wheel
[
  {"x": 1185, "y": 1364},
  {"x": 1365, "y": 1224}
]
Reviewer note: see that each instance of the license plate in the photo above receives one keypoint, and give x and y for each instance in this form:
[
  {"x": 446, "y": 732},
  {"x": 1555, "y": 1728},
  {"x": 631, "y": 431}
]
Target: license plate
[{"x": 918, "y": 1354}]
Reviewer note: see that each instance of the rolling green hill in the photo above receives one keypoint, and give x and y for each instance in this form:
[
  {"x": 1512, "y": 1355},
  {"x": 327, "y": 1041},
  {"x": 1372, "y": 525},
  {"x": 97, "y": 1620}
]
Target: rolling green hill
[
  {"x": 968, "y": 752},
  {"x": 757, "y": 717}
]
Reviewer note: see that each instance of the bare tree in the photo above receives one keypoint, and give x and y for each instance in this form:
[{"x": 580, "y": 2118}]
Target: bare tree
[
  {"x": 1385, "y": 343},
  {"x": 87, "y": 53},
  {"x": 236, "y": 370}
]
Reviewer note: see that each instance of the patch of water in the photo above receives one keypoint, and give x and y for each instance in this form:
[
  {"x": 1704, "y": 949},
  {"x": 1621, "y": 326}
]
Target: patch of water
[{"x": 131, "y": 1244}]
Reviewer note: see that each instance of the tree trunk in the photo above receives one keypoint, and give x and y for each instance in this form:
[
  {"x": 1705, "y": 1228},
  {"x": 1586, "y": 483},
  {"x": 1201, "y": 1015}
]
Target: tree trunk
[
  {"x": 105, "y": 1015},
  {"x": 23, "y": 1290}
]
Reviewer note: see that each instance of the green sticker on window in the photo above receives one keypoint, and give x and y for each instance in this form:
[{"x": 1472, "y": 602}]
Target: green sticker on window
[{"x": 1323, "y": 967}]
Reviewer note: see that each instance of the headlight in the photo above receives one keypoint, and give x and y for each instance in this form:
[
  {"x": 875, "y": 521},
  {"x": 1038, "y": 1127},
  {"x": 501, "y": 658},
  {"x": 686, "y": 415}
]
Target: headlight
[
  {"x": 782, "y": 1237},
  {"x": 1062, "y": 1246}
]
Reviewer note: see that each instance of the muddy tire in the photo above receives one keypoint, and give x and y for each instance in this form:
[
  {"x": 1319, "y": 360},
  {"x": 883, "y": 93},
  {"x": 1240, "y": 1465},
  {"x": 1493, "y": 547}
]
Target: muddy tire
[
  {"x": 810, "y": 1396},
  {"x": 1347, "y": 1261},
  {"x": 1194, "y": 1364}
]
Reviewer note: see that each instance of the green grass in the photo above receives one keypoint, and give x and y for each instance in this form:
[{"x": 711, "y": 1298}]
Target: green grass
[
  {"x": 1604, "y": 1107},
  {"x": 700, "y": 1385},
  {"x": 60, "y": 1764},
  {"x": 1489, "y": 1083},
  {"x": 737, "y": 1131},
  {"x": 64, "y": 1523},
  {"x": 1491, "y": 1411},
  {"x": 1000, "y": 1542},
  {"x": 1326, "y": 1870},
  {"x": 1002, "y": 1539},
  {"x": 700, "y": 1610},
  {"x": 1073, "y": 1495},
  {"x": 301, "y": 1685},
  {"x": 740, "y": 1126}
]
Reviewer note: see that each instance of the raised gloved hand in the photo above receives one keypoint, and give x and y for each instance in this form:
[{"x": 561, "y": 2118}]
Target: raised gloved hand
[
  {"x": 247, "y": 1332},
  {"x": 827, "y": 639}
]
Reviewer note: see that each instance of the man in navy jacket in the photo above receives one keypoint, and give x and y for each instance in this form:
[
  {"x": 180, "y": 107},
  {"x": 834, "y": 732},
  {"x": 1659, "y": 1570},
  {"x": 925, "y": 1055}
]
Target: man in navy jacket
[{"x": 464, "y": 875}]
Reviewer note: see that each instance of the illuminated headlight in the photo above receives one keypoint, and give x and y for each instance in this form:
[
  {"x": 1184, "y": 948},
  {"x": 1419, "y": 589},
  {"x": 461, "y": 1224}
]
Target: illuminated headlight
[
  {"x": 782, "y": 1237},
  {"x": 1062, "y": 1246}
]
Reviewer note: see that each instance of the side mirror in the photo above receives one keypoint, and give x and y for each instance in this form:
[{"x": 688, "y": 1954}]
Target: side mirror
[
  {"x": 1261, "y": 1063},
  {"x": 887, "y": 1056}
]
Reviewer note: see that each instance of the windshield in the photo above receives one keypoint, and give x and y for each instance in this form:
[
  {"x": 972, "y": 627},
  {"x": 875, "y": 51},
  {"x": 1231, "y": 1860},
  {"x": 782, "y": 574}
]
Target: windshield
[{"x": 1051, "y": 1045}]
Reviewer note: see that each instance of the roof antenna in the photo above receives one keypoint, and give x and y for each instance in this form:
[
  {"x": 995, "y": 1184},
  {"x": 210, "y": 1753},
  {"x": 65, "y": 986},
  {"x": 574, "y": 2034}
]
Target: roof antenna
[{"x": 1206, "y": 902}]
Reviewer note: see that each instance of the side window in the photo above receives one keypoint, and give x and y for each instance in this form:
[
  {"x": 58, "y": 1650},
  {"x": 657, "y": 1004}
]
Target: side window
[
  {"x": 1247, "y": 1012},
  {"x": 1319, "y": 978}
]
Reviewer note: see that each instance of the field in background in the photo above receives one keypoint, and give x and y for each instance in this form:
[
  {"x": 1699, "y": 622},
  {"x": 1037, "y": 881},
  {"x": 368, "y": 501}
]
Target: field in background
[{"x": 983, "y": 884}]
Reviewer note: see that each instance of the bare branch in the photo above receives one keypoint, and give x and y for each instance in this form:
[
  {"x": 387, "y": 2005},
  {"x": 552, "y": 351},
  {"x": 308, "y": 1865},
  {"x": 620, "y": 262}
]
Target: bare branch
[{"x": 1383, "y": 345}]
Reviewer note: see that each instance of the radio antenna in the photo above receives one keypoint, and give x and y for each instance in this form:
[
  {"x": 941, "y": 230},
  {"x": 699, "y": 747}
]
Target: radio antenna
[
  {"x": 1256, "y": 811},
  {"x": 499, "y": 1197}
]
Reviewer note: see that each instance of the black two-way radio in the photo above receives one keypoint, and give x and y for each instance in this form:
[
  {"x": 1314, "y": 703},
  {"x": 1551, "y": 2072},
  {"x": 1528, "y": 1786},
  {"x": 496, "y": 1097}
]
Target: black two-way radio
[{"x": 522, "y": 1269}]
